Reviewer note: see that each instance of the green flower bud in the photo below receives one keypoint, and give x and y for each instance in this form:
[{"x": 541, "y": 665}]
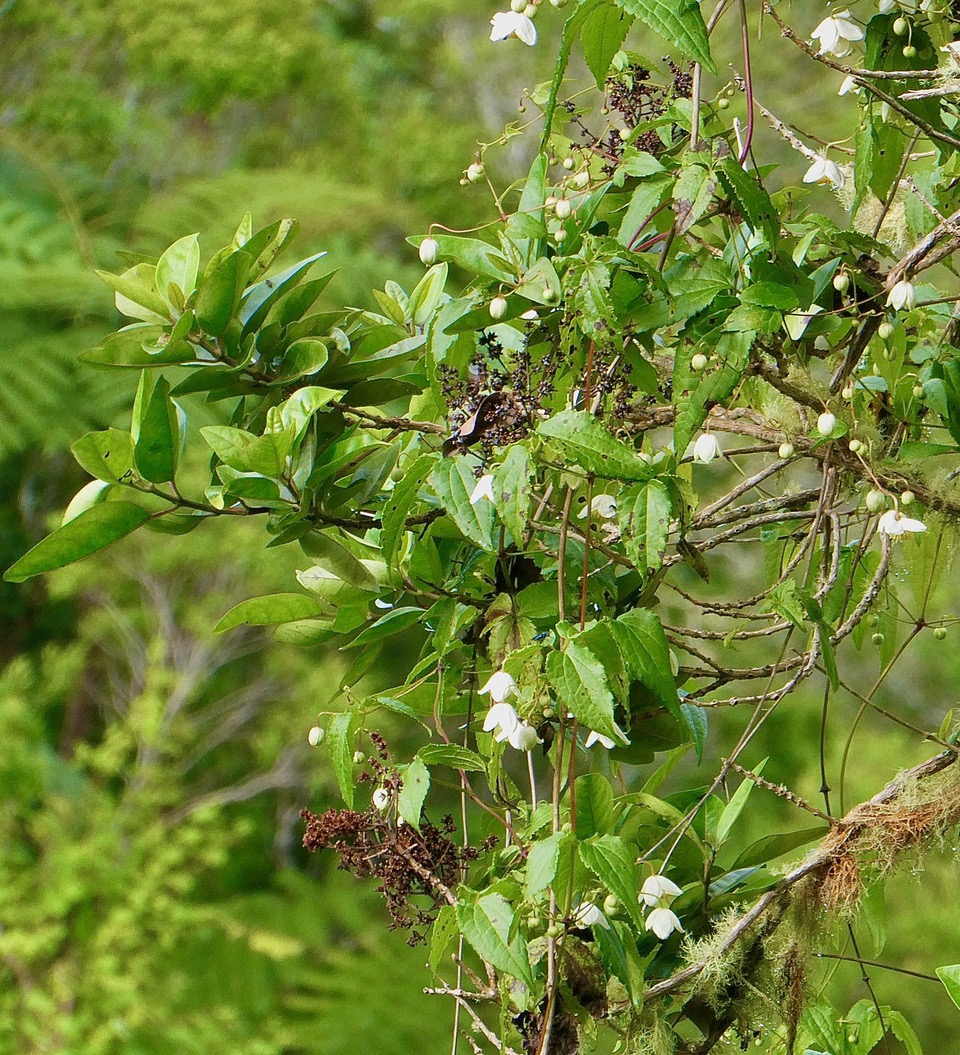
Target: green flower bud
[
  {"x": 876, "y": 500},
  {"x": 498, "y": 308},
  {"x": 826, "y": 423},
  {"x": 907, "y": 498},
  {"x": 901, "y": 27},
  {"x": 877, "y": 639},
  {"x": 841, "y": 282},
  {"x": 698, "y": 363},
  {"x": 940, "y": 633},
  {"x": 786, "y": 450},
  {"x": 563, "y": 208},
  {"x": 475, "y": 172},
  {"x": 429, "y": 248},
  {"x": 315, "y": 736},
  {"x": 885, "y": 331}
]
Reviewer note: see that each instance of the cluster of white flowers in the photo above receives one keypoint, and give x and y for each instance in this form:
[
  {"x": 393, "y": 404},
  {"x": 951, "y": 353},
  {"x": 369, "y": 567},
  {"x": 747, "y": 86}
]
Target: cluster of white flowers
[
  {"x": 503, "y": 718},
  {"x": 656, "y": 894}
]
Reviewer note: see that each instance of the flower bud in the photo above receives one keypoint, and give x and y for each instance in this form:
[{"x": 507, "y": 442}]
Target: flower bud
[
  {"x": 358, "y": 758},
  {"x": 918, "y": 391},
  {"x": 518, "y": 6},
  {"x": 907, "y": 498},
  {"x": 568, "y": 163},
  {"x": 581, "y": 180},
  {"x": 786, "y": 450},
  {"x": 826, "y": 423},
  {"x": 885, "y": 331},
  {"x": 429, "y": 248},
  {"x": 877, "y": 639},
  {"x": 498, "y": 308},
  {"x": 475, "y": 172},
  {"x": 530, "y": 10},
  {"x": 559, "y": 236},
  {"x": 563, "y": 208},
  {"x": 876, "y": 500},
  {"x": 855, "y": 446},
  {"x": 909, "y": 51},
  {"x": 841, "y": 282},
  {"x": 698, "y": 363},
  {"x": 315, "y": 736},
  {"x": 847, "y": 392},
  {"x": 558, "y": 3},
  {"x": 724, "y": 103},
  {"x": 940, "y": 633},
  {"x": 901, "y": 27},
  {"x": 611, "y": 905},
  {"x": 549, "y": 295}
]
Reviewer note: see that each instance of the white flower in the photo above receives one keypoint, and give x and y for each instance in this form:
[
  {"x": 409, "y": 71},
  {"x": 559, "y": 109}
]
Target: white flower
[
  {"x": 823, "y": 170},
  {"x": 706, "y": 449},
  {"x": 523, "y": 738},
  {"x": 663, "y": 923},
  {"x": 381, "y": 798},
  {"x": 315, "y": 736},
  {"x": 826, "y": 423},
  {"x": 429, "y": 248},
  {"x": 500, "y": 685},
  {"x": 484, "y": 489},
  {"x": 835, "y": 34},
  {"x": 796, "y": 324},
  {"x": 599, "y": 738},
  {"x": 656, "y": 888},
  {"x": 903, "y": 296},
  {"x": 586, "y": 914},
  {"x": 893, "y": 523},
  {"x": 514, "y": 24},
  {"x": 849, "y": 85},
  {"x": 502, "y": 717},
  {"x": 603, "y": 505}
]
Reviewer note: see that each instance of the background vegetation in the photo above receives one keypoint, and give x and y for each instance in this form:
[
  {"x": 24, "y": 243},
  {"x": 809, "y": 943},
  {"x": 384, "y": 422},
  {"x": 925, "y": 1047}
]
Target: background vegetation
[{"x": 153, "y": 895}]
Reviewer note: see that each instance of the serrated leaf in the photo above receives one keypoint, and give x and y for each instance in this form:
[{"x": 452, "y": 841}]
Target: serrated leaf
[
  {"x": 579, "y": 680},
  {"x": 416, "y": 784},
  {"x": 692, "y": 195},
  {"x": 604, "y": 30},
  {"x": 511, "y": 483},
  {"x": 542, "y": 863},
  {"x": 571, "y": 33},
  {"x": 645, "y": 650},
  {"x": 86, "y": 534},
  {"x": 644, "y": 514},
  {"x": 585, "y": 442},
  {"x": 445, "y": 928},
  {"x": 486, "y": 925},
  {"x": 613, "y": 862},
  {"x": 681, "y": 24},
  {"x": 340, "y": 738},
  {"x": 451, "y": 755},
  {"x": 752, "y": 200},
  {"x": 453, "y": 481}
]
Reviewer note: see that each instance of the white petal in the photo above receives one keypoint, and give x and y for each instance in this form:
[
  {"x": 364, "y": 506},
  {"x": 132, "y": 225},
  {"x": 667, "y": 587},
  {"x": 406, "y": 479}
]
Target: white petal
[
  {"x": 513, "y": 24},
  {"x": 381, "y": 798},
  {"x": 657, "y": 887},
  {"x": 796, "y": 324},
  {"x": 848, "y": 30},
  {"x": 483, "y": 489},
  {"x": 503, "y": 715},
  {"x": 706, "y": 449},
  {"x": 500, "y": 685},
  {"x": 524, "y": 737},
  {"x": 663, "y": 923},
  {"x": 893, "y": 523},
  {"x": 849, "y": 85},
  {"x": 586, "y": 914},
  {"x": 602, "y": 505},
  {"x": 903, "y": 296},
  {"x": 599, "y": 738}
]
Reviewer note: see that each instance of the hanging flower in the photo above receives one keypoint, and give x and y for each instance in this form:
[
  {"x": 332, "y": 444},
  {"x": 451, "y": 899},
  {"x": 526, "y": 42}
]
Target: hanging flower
[
  {"x": 835, "y": 33},
  {"x": 903, "y": 296},
  {"x": 848, "y": 86},
  {"x": 894, "y": 523},
  {"x": 483, "y": 489},
  {"x": 602, "y": 505},
  {"x": 429, "y": 248},
  {"x": 706, "y": 449},
  {"x": 824, "y": 171},
  {"x": 381, "y": 798},
  {"x": 599, "y": 738},
  {"x": 657, "y": 889},
  {"x": 524, "y": 737},
  {"x": 503, "y": 718},
  {"x": 500, "y": 685},
  {"x": 586, "y": 914},
  {"x": 663, "y": 922},
  {"x": 797, "y": 323},
  {"x": 513, "y": 24}
]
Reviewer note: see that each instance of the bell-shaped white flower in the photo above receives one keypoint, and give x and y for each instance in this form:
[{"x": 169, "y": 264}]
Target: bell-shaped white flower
[
  {"x": 663, "y": 922},
  {"x": 602, "y": 506},
  {"x": 706, "y": 449},
  {"x": 903, "y": 296},
  {"x": 503, "y": 718},
  {"x": 849, "y": 86},
  {"x": 429, "y": 248},
  {"x": 500, "y": 685},
  {"x": 656, "y": 889},
  {"x": 483, "y": 489},
  {"x": 381, "y": 798},
  {"x": 599, "y": 738},
  {"x": 586, "y": 914},
  {"x": 823, "y": 170},
  {"x": 523, "y": 738},
  {"x": 835, "y": 33},
  {"x": 513, "y": 24},
  {"x": 895, "y": 523}
]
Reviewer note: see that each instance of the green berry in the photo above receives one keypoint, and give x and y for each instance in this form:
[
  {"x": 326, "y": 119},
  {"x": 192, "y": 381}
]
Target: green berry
[
  {"x": 901, "y": 27},
  {"x": 877, "y": 639},
  {"x": 554, "y": 930},
  {"x": 876, "y": 500},
  {"x": 940, "y": 633}
]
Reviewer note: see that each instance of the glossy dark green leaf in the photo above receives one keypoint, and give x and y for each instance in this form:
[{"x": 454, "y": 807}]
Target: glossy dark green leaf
[
  {"x": 88, "y": 533},
  {"x": 157, "y": 440}
]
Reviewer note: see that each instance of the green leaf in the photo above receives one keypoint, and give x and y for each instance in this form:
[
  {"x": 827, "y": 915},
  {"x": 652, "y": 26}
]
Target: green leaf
[
  {"x": 584, "y": 441},
  {"x": 733, "y": 809},
  {"x": 540, "y": 276},
  {"x": 445, "y": 928},
  {"x": 604, "y": 30},
  {"x": 872, "y": 915},
  {"x": 425, "y": 299},
  {"x": 272, "y": 609},
  {"x": 157, "y": 447},
  {"x": 580, "y": 682},
  {"x": 220, "y": 292},
  {"x": 259, "y": 299},
  {"x": 248, "y": 453},
  {"x": 451, "y": 755},
  {"x": 613, "y": 861},
  {"x": 752, "y": 200},
  {"x": 386, "y": 626},
  {"x": 136, "y": 294},
  {"x": 542, "y": 863},
  {"x": 335, "y": 558},
  {"x": 306, "y": 356},
  {"x": 90, "y": 495},
  {"x": 596, "y": 809},
  {"x": 511, "y": 483},
  {"x": 571, "y": 32},
  {"x": 107, "y": 455},
  {"x": 950, "y": 976},
  {"x": 903, "y": 1031},
  {"x": 644, "y": 202},
  {"x": 644, "y": 513},
  {"x": 416, "y": 784},
  {"x": 770, "y": 847},
  {"x": 645, "y": 650},
  {"x": 692, "y": 195},
  {"x": 179, "y": 267},
  {"x": 453, "y": 481},
  {"x": 473, "y": 256},
  {"x": 88, "y": 533},
  {"x": 486, "y": 925},
  {"x": 733, "y": 353},
  {"x": 679, "y": 23},
  {"x": 341, "y": 736},
  {"x": 398, "y": 505}
]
